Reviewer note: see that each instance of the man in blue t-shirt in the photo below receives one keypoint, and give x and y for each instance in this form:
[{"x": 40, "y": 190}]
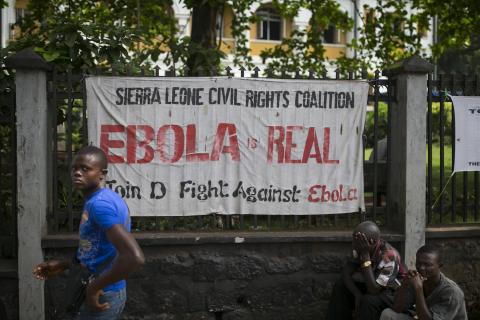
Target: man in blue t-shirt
[{"x": 106, "y": 246}]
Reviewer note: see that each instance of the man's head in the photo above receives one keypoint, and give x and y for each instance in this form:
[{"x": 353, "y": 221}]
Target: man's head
[
  {"x": 365, "y": 237},
  {"x": 429, "y": 261},
  {"x": 89, "y": 168},
  {"x": 370, "y": 229}
]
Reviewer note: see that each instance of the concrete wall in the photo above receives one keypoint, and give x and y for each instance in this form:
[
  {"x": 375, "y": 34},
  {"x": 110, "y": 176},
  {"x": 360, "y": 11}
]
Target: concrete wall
[
  {"x": 8, "y": 297},
  {"x": 261, "y": 280},
  {"x": 237, "y": 281},
  {"x": 461, "y": 253}
]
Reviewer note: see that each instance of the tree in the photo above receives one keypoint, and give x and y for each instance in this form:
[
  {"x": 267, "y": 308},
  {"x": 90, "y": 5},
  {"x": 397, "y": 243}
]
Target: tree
[
  {"x": 303, "y": 50},
  {"x": 389, "y": 34},
  {"x": 392, "y": 31},
  {"x": 458, "y": 33},
  {"x": 93, "y": 33},
  {"x": 90, "y": 33},
  {"x": 203, "y": 48},
  {"x": 114, "y": 33}
]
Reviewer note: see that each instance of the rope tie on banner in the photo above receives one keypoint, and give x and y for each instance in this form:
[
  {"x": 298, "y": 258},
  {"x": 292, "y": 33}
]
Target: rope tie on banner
[{"x": 443, "y": 190}]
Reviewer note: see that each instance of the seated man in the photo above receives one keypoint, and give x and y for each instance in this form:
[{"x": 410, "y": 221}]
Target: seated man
[
  {"x": 368, "y": 281},
  {"x": 427, "y": 293}
]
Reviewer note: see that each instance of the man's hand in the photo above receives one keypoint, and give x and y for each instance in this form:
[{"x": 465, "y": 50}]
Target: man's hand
[
  {"x": 92, "y": 297},
  {"x": 412, "y": 273},
  {"x": 416, "y": 280},
  {"x": 361, "y": 244},
  {"x": 49, "y": 269}
]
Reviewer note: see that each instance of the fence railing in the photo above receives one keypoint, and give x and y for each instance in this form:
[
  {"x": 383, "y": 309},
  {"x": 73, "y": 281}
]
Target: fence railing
[
  {"x": 8, "y": 181},
  {"x": 69, "y": 133},
  {"x": 460, "y": 201}
]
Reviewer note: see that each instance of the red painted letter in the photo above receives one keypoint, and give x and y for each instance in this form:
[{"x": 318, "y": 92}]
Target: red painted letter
[
  {"x": 312, "y": 141},
  {"x": 233, "y": 148},
  {"x": 192, "y": 144},
  {"x": 133, "y": 143},
  {"x": 278, "y": 141},
  {"x": 326, "y": 146},
  {"x": 177, "y": 143},
  {"x": 290, "y": 145},
  {"x": 106, "y": 143}
]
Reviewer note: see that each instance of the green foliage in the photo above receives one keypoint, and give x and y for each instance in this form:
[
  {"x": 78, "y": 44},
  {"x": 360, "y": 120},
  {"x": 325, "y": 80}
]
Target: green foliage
[
  {"x": 241, "y": 22},
  {"x": 381, "y": 125},
  {"x": 458, "y": 46},
  {"x": 391, "y": 33},
  {"x": 114, "y": 33},
  {"x": 91, "y": 33},
  {"x": 201, "y": 51},
  {"x": 436, "y": 115},
  {"x": 459, "y": 23},
  {"x": 447, "y": 122}
]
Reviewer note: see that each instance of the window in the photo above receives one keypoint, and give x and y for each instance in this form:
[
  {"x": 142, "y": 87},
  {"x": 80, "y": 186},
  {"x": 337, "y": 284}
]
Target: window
[
  {"x": 330, "y": 35},
  {"x": 397, "y": 25},
  {"x": 270, "y": 25},
  {"x": 369, "y": 17},
  {"x": 219, "y": 24},
  {"x": 20, "y": 14},
  {"x": 422, "y": 30}
]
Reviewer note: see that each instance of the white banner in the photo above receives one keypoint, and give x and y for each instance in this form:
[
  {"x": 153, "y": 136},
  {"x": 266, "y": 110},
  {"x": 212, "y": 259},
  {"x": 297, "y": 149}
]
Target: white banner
[
  {"x": 467, "y": 133},
  {"x": 193, "y": 146}
]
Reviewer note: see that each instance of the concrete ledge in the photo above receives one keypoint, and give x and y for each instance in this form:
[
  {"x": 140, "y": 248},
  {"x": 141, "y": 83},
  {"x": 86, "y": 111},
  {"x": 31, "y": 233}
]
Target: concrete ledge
[
  {"x": 239, "y": 237},
  {"x": 230, "y": 237},
  {"x": 8, "y": 269},
  {"x": 453, "y": 232}
]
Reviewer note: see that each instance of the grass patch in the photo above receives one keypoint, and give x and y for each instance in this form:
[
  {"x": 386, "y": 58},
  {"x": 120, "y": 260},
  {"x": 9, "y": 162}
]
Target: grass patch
[{"x": 460, "y": 194}]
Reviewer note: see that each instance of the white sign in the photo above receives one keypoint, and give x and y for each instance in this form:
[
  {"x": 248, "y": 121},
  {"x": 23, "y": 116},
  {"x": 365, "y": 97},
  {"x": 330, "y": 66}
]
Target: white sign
[
  {"x": 193, "y": 146},
  {"x": 467, "y": 133}
]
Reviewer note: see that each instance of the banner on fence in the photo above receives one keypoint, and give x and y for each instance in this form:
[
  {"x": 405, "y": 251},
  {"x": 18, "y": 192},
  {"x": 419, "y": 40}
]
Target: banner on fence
[
  {"x": 467, "y": 133},
  {"x": 194, "y": 146}
]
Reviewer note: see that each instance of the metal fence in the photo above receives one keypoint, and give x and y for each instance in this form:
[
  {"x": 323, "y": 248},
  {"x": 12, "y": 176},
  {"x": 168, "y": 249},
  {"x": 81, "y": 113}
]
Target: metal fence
[
  {"x": 459, "y": 204},
  {"x": 8, "y": 186},
  {"x": 460, "y": 201},
  {"x": 68, "y": 113}
]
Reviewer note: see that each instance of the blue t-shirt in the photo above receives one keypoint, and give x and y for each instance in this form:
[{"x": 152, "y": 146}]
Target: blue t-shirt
[{"x": 103, "y": 209}]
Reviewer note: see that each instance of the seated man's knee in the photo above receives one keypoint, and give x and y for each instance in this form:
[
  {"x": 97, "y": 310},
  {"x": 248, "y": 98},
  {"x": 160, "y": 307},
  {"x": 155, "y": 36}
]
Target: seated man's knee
[
  {"x": 371, "y": 305},
  {"x": 388, "y": 314}
]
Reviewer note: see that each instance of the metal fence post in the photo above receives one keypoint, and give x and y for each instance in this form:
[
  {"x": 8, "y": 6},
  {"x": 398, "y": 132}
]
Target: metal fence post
[
  {"x": 32, "y": 164},
  {"x": 407, "y": 180}
]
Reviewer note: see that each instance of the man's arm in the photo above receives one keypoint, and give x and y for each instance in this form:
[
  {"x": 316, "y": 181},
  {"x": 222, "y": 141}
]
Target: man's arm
[
  {"x": 347, "y": 272},
  {"x": 363, "y": 247},
  {"x": 129, "y": 259},
  {"x": 51, "y": 268},
  {"x": 372, "y": 286},
  {"x": 421, "y": 307},
  {"x": 400, "y": 300}
]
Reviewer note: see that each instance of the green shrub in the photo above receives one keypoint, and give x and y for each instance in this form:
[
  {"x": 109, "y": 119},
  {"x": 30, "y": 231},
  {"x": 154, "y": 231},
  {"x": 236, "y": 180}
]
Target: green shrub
[{"x": 382, "y": 123}]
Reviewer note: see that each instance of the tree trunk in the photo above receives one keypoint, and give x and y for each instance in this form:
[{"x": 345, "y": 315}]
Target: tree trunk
[{"x": 203, "y": 51}]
